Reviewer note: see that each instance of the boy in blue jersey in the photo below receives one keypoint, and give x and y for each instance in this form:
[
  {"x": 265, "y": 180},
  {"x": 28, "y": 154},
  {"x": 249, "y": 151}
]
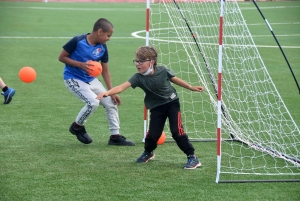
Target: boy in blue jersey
[
  {"x": 7, "y": 92},
  {"x": 75, "y": 55},
  {"x": 163, "y": 102}
]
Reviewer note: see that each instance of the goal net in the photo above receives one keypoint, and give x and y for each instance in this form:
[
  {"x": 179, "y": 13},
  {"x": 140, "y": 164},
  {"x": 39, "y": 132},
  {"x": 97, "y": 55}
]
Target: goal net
[{"x": 259, "y": 136}]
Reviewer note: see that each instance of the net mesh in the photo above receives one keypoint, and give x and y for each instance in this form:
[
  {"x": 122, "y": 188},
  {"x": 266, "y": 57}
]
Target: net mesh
[{"x": 186, "y": 34}]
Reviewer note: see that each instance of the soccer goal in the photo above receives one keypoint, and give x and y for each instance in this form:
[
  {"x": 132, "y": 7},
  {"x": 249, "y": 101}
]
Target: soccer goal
[{"x": 208, "y": 43}]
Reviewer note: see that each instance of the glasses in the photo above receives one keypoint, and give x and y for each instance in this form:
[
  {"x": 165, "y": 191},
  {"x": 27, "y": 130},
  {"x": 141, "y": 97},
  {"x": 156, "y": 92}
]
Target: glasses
[{"x": 140, "y": 62}]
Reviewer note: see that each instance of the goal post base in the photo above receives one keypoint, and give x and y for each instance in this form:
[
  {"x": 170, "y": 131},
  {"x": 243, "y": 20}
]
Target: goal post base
[
  {"x": 257, "y": 181},
  {"x": 206, "y": 140}
]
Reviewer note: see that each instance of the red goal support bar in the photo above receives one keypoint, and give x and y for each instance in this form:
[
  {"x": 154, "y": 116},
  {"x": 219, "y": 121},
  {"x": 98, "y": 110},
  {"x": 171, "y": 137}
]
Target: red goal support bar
[{"x": 147, "y": 44}]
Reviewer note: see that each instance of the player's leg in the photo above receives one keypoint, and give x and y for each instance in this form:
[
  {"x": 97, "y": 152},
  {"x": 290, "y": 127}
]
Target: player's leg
[
  {"x": 157, "y": 122},
  {"x": 82, "y": 91},
  {"x": 180, "y": 136},
  {"x": 7, "y": 92},
  {"x": 111, "y": 115},
  {"x": 156, "y": 126},
  {"x": 2, "y": 84}
]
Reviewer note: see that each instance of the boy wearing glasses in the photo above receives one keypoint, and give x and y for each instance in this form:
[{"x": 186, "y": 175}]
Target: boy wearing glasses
[
  {"x": 162, "y": 100},
  {"x": 75, "y": 55}
]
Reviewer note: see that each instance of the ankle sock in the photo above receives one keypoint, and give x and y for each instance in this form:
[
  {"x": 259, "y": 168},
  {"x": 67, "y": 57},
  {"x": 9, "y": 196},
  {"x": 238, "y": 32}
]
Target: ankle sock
[
  {"x": 114, "y": 136},
  {"x": 5, "y": 89},
  {"x": 76, "y": 126}
]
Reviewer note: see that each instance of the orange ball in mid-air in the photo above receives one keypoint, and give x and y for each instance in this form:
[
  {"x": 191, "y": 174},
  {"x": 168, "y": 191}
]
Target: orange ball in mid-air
[
  {"x": 96, "y": 68},
  {"x": 162, "y": 139},
  {"x": 27, "y": 74}
]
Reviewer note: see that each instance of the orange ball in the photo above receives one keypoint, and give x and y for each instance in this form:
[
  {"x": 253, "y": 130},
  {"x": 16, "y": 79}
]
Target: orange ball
[
  {"x": 162, "y": 139},
  {"x": 27, "y": 74},
  {"x": 96, "y": 68}
]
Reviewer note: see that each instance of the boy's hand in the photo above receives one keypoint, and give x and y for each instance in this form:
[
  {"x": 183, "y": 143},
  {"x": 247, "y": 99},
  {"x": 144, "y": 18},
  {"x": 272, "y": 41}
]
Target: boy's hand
[
  {"x": 197, "y": 88},
  {"x": 101, "y": 95},
  {"x": 86, "y": 66},
  {"x": 116, "y": 99}
]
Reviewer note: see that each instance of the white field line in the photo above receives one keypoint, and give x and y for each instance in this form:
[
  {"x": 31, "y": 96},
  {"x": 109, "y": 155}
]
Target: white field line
[
  {"x": 269, "y": 7},
  {"x": 49, "y": 37},
  {"x": 136, "y": 35},
  {"x": 133, "y": 9},
  {"x": 175, "y": 40},
  {"x": 82, "y": 9}
]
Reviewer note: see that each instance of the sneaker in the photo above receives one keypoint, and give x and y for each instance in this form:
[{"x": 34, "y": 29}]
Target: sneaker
[
  {"x": 8, "y": 95},
  {"x": 145, "y": 157},
  {"x": 121, "y": 141},
  {"x": 192, "y": 163},
  {"x": 81, "y": 134}
]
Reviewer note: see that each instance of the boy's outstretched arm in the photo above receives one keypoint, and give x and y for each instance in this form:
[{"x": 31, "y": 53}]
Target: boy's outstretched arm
[
  {"x": 183, "y": 84},
  {"x": 115, "y": 90}
]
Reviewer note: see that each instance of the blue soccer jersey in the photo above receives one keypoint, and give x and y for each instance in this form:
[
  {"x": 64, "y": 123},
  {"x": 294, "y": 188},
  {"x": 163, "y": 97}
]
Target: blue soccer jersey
[{"x": 80, "y": 50}]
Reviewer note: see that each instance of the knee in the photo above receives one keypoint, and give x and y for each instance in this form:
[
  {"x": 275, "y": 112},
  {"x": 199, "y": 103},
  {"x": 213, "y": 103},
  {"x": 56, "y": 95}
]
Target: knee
[
  {"x": 94, "y": 104},
  {"x": 177, "y": 132},
  {"x": 108, "y": 104},
  {"x": 178, "y": 137},
  {"x": 151, "y": 138}
]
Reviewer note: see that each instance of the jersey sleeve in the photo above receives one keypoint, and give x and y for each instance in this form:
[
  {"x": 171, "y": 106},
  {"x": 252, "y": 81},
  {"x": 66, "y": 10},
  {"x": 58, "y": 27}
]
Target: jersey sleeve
[
  {"x": 72, "y": 44},
  {"x": 104, "y": 58},
  {"x": 170, "y": 73},
  {"x": 134, "y": 81}
]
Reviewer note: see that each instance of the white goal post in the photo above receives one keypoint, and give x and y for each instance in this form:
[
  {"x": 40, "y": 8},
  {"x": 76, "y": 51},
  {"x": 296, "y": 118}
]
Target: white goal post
[{"x": 208, "y": 43}]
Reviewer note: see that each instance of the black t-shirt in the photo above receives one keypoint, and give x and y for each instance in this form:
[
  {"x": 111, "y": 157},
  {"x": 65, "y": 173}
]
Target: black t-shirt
[{"x": 157, "y": 87}]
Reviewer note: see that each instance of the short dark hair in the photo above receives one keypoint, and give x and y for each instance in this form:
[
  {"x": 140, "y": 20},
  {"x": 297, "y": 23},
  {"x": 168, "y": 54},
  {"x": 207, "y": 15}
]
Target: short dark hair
[{"x": 103, "y": 24}]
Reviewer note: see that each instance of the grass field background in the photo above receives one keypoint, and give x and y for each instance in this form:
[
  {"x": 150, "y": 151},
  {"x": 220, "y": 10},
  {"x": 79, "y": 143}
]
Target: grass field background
[{"x": 41, "y": 160}]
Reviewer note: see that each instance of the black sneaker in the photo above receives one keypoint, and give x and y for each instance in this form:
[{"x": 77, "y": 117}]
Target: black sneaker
[
  {"x": 81, "y": 134},
  {"x": 192, "y": 163},
  {"x": 121, "y": 141},
  {"x": 145, "y": 157}
]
